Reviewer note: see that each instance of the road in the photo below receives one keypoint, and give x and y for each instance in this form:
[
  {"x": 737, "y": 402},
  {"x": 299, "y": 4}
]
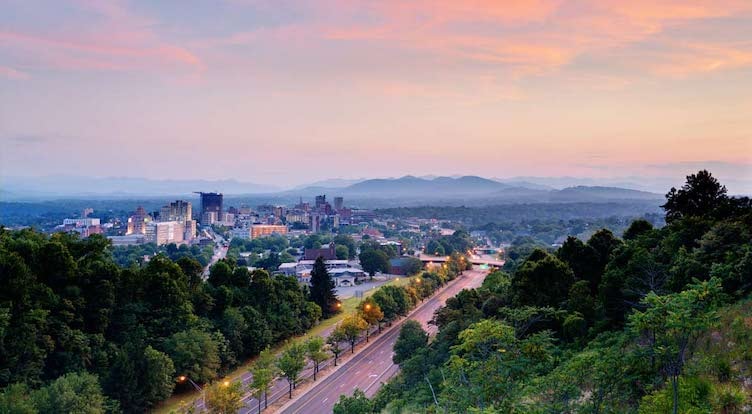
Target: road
[
  {"x": 220, "y": 252},
  {"x": 373, "y": 365}
]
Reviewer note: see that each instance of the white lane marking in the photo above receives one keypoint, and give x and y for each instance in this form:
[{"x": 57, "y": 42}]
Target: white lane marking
[{"x": 324, "y": 400}]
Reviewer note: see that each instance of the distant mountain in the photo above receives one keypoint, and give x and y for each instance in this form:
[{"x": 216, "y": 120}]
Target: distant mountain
[
  {"x": 580, "y": 193},
  {"x": 118, "y": 187},
  {"x": 414, "y": 186},
  {"x": 523, "y": 184},
  {"x": 331, "y": 183}
]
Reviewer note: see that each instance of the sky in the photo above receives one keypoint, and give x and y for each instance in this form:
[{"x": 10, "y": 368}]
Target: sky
[{"x": 292, "y": 91}]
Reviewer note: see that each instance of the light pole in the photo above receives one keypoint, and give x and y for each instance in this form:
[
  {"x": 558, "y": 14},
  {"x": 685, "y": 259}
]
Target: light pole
[{"x": 198, "y": 388}]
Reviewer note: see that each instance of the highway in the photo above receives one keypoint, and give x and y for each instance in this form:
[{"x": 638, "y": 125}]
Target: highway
[{"x": 372, "y": 366}]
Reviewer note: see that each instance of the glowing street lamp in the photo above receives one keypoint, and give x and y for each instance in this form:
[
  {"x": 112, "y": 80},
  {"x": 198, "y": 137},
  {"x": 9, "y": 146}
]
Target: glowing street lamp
[{"x": 183, "y": 378}]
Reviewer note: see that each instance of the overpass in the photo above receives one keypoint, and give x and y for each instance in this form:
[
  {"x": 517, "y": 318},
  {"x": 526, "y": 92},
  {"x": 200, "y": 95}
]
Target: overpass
[{"x": 484, "y": 259}]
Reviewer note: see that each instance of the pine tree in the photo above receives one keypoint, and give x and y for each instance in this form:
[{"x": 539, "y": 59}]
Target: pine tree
[{"x": 322, "y": 289}]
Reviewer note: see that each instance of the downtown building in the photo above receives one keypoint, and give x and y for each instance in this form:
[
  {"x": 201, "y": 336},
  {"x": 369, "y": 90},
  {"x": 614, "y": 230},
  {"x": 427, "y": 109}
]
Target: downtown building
[
  {"x": 211, "y": 207},
  {"x": 180, "y": 211}
]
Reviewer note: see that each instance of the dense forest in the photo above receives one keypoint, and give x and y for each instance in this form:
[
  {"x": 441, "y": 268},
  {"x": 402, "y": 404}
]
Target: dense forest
[
  {"x": 77, "y": 330},
  {"x": 658, "y": 321}
]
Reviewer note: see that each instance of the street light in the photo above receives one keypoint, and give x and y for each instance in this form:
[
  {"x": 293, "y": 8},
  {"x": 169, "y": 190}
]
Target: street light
[
  {"x": 226, "y": 383},
  {"x": 183, "y": 378},
  {"x": 368, "y": 306}
]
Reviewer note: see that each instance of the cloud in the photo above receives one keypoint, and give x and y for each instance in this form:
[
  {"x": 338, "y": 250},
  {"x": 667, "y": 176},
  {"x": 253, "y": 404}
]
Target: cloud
[
  {"x": 112, "y": 39},
  {"x": 29, "y": 139},
  {"x": 13, "y": 74}
]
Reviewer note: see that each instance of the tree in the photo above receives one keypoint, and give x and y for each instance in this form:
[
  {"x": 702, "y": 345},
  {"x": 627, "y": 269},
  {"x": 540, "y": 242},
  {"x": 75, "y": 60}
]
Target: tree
[
  {"x": 542, "y": 282},
  {"x": 347, "y": 241},
  {"x": 700, "y": 196},
  {"x": 291, "y": 363},
  {"x": 357, "y": 404},
  {"x": 195, "y": 354},
  {"x": 16, "y": 399},
  {"x": 411, "y": 338},
  {"x": 671, "y": 323},
  {"x": 583, "y": 259},
  {"x": 264, "y": 370},
  {"x": 72, "y": 393},
  {"x": 140, "y": 377},
  {"x": 158, "y": 376},
  {"x": 333, "y": 341},
  {"x": 342, "y": 252},
  {"x": 435, "y": 248},
  {"x": 637, "y": 229},
  {"x": 400, "y": 297},
  {"x": 322, "y": 289},
  {"x": 315, "y": 352},
  {"x": 224, "y": 397},
  {"x": 374, "y": 260},
  {"x": 371, "y": 313},
  {"x": 387, "y": 304},
  {"x": 351, "y": 327}
]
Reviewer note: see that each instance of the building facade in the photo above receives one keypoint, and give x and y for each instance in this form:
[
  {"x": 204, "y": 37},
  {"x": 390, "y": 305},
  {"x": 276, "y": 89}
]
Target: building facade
[
  {"x": 261, "y": 230},
  {"x": 211, "y": 203}
]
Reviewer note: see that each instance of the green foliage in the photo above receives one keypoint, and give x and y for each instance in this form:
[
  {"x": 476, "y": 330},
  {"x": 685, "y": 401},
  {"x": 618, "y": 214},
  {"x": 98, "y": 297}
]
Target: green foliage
[
  {"x": 358, "y": 403},
  {"x": 342, "y": 252},
  {"x": 195, "y": 354},
  {"x": 263, "y": 371},
  {"x": 606, "y": 326},
  {"x": 314, "y": 348},
  {"x": 702, "y": 195},
  {"x": 224, "y": 397},
  {"x": 322, "y": 289},
  {"x": 374, "y": 260},
  {"x": 671, "y": 324},
  {"x": 411, "y": 338},
  {"x": 542, "y": 280},
  {"x": 73, "y": 393},
  {"x": 291, "y": 362},
  {"x": 693, "y": 396}
]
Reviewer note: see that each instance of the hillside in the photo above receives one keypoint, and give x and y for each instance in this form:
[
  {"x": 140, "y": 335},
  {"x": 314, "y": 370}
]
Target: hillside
[{"x": 658, "y": 321}]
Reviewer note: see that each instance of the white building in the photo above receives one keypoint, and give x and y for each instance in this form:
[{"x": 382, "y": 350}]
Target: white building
[
  {"x": 165, "y": 232},
  {"x": 341, "y": 271}
]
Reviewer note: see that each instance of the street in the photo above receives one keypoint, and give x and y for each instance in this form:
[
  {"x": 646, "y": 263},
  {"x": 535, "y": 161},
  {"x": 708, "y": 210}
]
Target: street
[{"x": 373, "y": 365}]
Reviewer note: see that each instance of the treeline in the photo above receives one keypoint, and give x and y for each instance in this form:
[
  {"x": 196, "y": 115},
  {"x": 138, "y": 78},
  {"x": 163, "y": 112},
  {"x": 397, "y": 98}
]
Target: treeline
[
  {"x": 138, "y": 254},
  {"x": 79, "y": 330},
  {"x": 548, "y": 223},
  {"x": 458, "y": 242},
  {"x": 655, "y": 322}
]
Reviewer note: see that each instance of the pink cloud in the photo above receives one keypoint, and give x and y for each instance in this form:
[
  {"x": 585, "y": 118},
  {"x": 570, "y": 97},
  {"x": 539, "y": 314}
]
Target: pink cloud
[
  {"x": 115, "y": 41},
  {"x": 13, "y": 74}
]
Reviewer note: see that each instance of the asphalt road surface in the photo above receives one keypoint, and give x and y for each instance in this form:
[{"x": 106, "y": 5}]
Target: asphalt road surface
[{"x": 369, "y": 368}]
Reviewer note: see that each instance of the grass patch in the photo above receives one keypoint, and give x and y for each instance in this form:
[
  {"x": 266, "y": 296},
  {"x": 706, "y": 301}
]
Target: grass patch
[{"x": 349, "y": 305}]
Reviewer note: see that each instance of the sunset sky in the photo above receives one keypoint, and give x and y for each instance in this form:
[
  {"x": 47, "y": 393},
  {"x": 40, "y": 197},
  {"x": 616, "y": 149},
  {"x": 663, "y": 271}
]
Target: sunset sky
[{"x": 287, "y": 92}]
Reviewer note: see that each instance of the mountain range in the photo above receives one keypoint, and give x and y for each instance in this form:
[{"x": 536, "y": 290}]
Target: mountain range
[{"x": 407, "y": 190}]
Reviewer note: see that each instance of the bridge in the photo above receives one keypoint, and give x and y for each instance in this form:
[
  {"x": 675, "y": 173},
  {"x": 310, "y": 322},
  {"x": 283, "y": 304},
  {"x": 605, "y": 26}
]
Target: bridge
[{"x": 484, "y": 259}]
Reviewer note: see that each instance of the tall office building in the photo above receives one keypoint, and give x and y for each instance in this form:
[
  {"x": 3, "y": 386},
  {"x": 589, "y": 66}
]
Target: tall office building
[
  {"x": 320, "y": 201},
  {"x": 211, "y": 203},
  {"x": 314, "y": 222},
  {"x": 179, "y": 210},
  {"x": 165, "y": 232},
  {"x": 339, "y": 202}
]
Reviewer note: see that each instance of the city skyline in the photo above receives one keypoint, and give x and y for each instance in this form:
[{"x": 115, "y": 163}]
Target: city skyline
[{"x": 270, "y": 92}]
